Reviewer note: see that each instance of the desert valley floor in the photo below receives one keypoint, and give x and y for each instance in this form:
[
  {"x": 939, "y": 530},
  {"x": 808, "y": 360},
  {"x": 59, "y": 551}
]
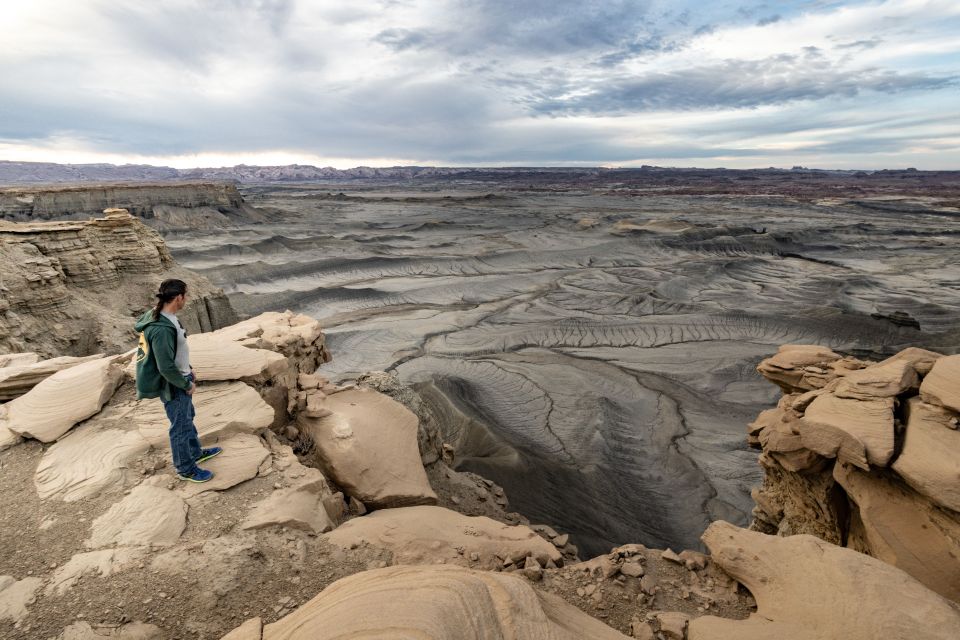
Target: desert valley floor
[{"x": 593, "y": 353}]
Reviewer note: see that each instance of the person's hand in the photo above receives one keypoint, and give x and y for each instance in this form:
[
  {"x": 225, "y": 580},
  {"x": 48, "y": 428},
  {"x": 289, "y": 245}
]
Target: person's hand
[
  {"x": 191, "y": 389},
  {"x": 194, "y": 374}
]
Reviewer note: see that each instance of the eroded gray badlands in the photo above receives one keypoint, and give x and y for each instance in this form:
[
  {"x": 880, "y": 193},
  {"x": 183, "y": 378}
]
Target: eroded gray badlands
[{"x": 594, "y": 353}]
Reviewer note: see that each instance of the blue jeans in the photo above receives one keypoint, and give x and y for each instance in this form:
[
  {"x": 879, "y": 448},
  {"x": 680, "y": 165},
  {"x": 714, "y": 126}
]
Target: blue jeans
[{"x": 184, "y": 441}]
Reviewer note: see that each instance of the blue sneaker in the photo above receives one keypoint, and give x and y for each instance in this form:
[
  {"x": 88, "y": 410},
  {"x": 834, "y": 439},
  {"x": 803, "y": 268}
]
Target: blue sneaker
[
  {"x": 197, "y": 475},
  {"x": 206, "y": 454}
]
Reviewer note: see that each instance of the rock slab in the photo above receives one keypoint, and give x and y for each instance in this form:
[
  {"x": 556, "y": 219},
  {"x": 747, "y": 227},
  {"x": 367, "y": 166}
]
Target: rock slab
[
  {"x": 439, "y": 603},
  {"x": 368, "y": 445},
  {"x": 67, "y": 397},
  {"x": 809, "y": 589}
]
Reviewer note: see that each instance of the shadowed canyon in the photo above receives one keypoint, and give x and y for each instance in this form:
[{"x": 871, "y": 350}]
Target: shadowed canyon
[{"x": 592, "y": 350}]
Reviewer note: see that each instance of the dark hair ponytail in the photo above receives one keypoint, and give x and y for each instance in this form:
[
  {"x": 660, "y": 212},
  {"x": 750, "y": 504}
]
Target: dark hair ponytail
[{"x": 169, "y": 289}]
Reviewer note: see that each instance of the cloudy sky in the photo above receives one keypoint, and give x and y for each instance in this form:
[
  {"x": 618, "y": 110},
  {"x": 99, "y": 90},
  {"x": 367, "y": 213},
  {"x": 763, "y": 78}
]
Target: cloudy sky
[{"x": 482, "y": 82}]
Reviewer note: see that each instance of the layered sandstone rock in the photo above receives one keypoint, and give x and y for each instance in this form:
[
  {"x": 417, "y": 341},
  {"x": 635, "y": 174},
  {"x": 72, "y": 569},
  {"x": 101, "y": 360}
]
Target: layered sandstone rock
[
  {"x": 928, "y": 461},
  {"x": 55, "y": 405},
  {"x": 855, "y": 457},
  {"x": 282, "y": 351},
  {"x": 437, "y": 602},
  {"x": 428, "y": 534},
  {"x": 942, "y": 385},
  {"x": 73, "y": 288},
  {"x": 148, "y": 201},
  {"x": 367, "y": 443},
  {"x": 15, "y": 595},
  {"x": 807, "y": 589},
  {"x": 148, "y": 515},
  {"x": 18, "y": 378},
  {"x": 307, "y": 505}
]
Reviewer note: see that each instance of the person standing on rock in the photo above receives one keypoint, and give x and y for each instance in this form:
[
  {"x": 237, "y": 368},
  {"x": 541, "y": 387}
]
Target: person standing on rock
[{"x": 164, "y": 371}]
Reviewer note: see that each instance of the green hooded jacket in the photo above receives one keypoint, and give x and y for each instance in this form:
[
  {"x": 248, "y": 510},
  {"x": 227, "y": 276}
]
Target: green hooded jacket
[{"x": 157, "y": 373}]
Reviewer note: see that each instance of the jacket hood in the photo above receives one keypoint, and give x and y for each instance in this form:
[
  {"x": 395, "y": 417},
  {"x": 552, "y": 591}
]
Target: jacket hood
[{"x": 146, "y": 319}]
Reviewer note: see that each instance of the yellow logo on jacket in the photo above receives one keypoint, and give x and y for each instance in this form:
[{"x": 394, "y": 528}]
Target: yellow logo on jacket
[{"x": 143, "y": 348}]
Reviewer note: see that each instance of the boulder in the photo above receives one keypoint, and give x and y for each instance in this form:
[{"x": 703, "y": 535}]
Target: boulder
[
  {"x": 921, "y": 359},
  {"x": 21, "y": 375},
  {"x": 884, "y": 380},
  {"x": 18, "y": 359},
  {"x": 780, "y": 438},
  {"x": 148, "y": 515},
  {"x": 930, "y": 459},
  {"x": 215, "y": 357},
  {"x": 859, "y": 432},
  {"x": 904, "y": 529},
  {"x": 673, "y": 625},
  {"x": 86, "y": 461},
  {"x": 15, "y": 595},
  {"x": 428, "y": 534},
  {"x": 7, "y": 438},
  {"x": 942, "y": 385},
  {"x": 809, "y": 589},
  {"x": 67, "y": 397},
  {"x": 799, "y": 367},
  {"x": 240, "y": 461},
  {"x": 300, "y": 507},
  {"x": 436, "y": 602},
  {"x": 368, "y": 446}
]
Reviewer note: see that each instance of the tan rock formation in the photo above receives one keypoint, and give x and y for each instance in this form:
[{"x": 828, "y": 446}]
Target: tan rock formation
[
  {"x": 799, "y": 367},
  {"x": 929, "y": 461},
  {"x": 19, "y": 359},
  {"x": 900, "y": 527},
  {"x": 298, "y": 338},
  {"x": 303, "y": 506},
  {"x": 883, "y": 380},
  {"x": 859, "y": 432},
  {"x": 86, "y": 461},
  {"x": 223, "y": 409},
  {"x": 942, "y": 385},
  {"x": 216, "y": 357},
  {"x": 15, "y": 595},
  {"x": 149, "y": 515},
  {"x": 55, "y": 405},
  {"x": 893, "y": 490},
  {"x": 428, "y": 534},
  {"x": 921, "y": 359},
  {"x": 242, "y": 456},
  {"x": 368, "y": 446},
  {"x": 439, "y": 603},
  {"x": 809, "y": 589},
  {"x": 778, "y": 434},
  {"x": 16, "y": 380},
  {"x": 71, "y": 288},
  {"x": 31, "y": 204},
  {"x": 7, "y": 438}
]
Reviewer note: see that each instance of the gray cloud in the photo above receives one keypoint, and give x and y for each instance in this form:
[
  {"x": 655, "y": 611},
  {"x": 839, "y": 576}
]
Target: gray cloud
[
  {"x": 860, "y": 44},
  {"x": 533, "y": 27},
  {"x": 403, "y": 39},
  {"x": 731, "y": 84},
  {"x": 640, "y": 47}
]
